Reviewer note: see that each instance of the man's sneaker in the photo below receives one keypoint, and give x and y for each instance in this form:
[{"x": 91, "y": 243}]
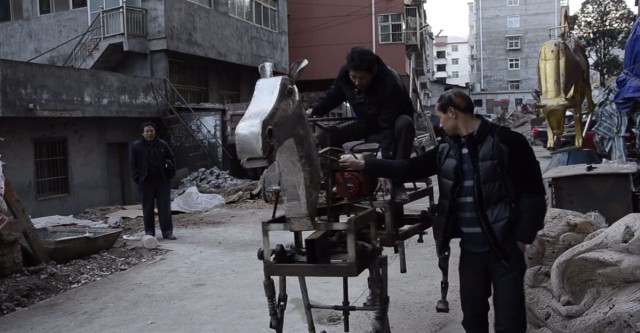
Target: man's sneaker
[{"x": 171, "y": 237}]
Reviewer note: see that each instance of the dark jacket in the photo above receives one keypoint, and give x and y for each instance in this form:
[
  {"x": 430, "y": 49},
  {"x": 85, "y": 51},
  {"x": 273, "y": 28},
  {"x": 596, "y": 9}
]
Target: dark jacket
[
  {"x": 508, "y": 185},
  {"x": 380, "y": 105},
  {"x": 139, "y": 160}
]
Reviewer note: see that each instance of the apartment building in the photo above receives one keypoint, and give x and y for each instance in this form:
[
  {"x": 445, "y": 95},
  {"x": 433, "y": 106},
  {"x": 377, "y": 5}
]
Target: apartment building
[
  {"x": 504, "y": 40},
  {"x": 451, "y": 60},
  {"x": 324, "y": 31},
  {"x": 80, "y": 76}
]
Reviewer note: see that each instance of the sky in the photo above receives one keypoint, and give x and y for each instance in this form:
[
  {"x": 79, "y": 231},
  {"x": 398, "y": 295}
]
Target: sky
[{"x": 452, "y": 16}]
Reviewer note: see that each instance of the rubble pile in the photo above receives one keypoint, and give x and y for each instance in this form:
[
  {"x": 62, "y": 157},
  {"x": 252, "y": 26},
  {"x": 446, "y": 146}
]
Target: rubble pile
[
  {"x": 35, "y": 284},
  {"x": 513, "y": 119},
  {"x": 216, "y": 181}
]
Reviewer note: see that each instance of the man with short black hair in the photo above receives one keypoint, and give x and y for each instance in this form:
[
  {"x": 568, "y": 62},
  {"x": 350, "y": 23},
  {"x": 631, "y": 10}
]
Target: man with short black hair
[
  {"x": 491, "y": 197},
  {"x": 152, "y": 166},
  {"x": 383, "y": 108}
]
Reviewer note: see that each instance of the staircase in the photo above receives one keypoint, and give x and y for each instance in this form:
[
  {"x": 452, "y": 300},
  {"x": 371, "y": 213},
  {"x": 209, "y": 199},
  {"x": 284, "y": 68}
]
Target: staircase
[
  {"x": 111, "y": 34},
  {"x": 188, "y": 132}
]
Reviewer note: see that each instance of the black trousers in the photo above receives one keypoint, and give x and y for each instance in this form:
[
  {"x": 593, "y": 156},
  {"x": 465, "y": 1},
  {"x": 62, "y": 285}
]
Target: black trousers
[
  {"x": 479, "y": 274},
  {"x": 152, "y": 193},
  {"x": 395, "y": 143}
]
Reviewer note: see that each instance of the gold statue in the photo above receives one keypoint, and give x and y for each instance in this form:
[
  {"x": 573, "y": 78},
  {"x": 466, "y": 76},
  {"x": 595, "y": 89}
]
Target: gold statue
[{"x": 563, "y": 77}]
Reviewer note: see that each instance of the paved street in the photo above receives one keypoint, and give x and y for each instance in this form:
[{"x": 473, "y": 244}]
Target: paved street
[{"x": 211, "y": 281}]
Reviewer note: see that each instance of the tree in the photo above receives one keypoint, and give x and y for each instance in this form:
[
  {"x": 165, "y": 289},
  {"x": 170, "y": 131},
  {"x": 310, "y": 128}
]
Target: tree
[{"x": 604, "y": 26}]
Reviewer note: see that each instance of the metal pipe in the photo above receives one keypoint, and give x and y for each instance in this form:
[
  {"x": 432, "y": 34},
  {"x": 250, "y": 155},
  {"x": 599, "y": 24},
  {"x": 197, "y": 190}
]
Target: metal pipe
[
  {"x": 373, "y": 25},
  {"x": 307, "y": 305},
  {"x": 481, "y": 50},
  {"x": 345, "y": 302}
]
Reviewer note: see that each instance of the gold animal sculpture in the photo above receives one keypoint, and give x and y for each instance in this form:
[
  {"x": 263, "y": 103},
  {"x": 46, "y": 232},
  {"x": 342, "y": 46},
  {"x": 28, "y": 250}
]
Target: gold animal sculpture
[{"x": 563, "y": 77}]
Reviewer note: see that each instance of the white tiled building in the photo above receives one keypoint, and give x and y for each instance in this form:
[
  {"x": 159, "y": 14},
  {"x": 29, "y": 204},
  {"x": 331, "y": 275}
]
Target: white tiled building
[{"x": 451, "y": 60}]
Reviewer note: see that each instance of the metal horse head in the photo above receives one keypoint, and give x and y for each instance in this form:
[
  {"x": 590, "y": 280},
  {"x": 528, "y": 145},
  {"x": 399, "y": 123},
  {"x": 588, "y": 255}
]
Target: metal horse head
[{"x": 274, "y": 129}]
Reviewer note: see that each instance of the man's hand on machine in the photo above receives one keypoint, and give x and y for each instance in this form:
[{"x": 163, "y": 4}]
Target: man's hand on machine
[
  {"x": 308, "y": 112},
  {"x": 352, "y": 164}
]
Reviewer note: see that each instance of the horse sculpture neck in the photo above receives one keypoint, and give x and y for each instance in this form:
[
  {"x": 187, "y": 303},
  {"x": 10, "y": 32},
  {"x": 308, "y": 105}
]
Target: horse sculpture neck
[{"x": 297, "y": 159}]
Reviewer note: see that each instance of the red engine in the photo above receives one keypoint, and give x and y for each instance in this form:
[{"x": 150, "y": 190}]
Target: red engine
[{"x": 352, "y": 185}]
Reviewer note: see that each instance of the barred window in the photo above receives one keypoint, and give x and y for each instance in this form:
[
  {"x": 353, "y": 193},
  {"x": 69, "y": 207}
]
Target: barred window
[
  {"x": 260, "y": 12},
  {"x": 390, "y": 27},
  {"x": 190, "y": 80},
  {"x": 51, "y": 167}
]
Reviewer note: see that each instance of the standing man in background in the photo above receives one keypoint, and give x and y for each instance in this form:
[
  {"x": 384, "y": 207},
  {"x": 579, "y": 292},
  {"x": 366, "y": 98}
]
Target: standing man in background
[
  {"x": 152, "y": 166},
  {"x": 383, "y": 108}
]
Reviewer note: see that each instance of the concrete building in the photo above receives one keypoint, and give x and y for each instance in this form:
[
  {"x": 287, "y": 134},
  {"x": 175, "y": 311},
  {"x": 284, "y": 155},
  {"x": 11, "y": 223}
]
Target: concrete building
[
  {"x": 324, "y": 33},
  {"x": 505, "y": 38},
  {"x": 451, "y": 60},
  {"x": 116, "y": 57}
]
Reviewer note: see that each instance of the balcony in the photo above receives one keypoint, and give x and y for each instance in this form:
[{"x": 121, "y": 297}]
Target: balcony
[
  {"x": 411, "y": 23},
  {"x": 112, "y": 32}
]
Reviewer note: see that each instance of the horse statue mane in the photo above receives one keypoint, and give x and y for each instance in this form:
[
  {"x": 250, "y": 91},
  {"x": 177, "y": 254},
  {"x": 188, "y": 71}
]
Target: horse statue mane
[
  {"x": 563, "y": 77},
  {"x": 582, "y": 277},
  {"x": 275, "y": 129}
]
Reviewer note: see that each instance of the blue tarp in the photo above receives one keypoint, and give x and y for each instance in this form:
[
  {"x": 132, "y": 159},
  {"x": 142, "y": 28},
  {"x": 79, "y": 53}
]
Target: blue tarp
[{"x": 628, "y": 82}]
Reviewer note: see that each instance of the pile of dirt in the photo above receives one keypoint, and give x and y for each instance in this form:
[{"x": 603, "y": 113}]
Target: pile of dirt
[{"x": 35, "y": 284}]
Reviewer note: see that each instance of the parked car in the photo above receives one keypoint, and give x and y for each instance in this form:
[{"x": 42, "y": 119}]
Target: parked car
[{"x": 540, "y": 136}]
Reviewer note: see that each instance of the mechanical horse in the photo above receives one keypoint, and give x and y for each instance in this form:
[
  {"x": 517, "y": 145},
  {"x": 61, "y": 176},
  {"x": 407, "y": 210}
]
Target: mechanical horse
[
  {"x": 563, "y": 77},
  {"x": 343, "y": 237}
]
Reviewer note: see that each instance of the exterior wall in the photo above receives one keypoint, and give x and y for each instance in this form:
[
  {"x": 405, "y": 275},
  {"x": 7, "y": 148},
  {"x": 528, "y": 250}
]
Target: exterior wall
[
  {"x": 32, "y": 36},
  {"x": 489, "y": 43},
  {"x": 56, "y": 91},
  {"x": 179, "y": 26},
  {"x": 213, "y": 33},
  {"x": 91, "y": 177},
  {"x": 323, "y": 34},
  {"x": 446, "y": 44}
]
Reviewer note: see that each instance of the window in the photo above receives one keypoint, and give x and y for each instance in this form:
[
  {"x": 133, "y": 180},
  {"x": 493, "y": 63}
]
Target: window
[
  {"x": 513, "y": 21},
  {"x": 54, "y": 6},
  {"x": 10, "y": 10},
  {"x": 454, "y": 61},
  {"x": 260, "y": 12},
  {"x": 390, "y": 27},
  {"x": 206, "y": 3},
  {"x": 441, "y": 68},
  {"x": 51, "y": 167},
  {"x": 190, "y": 81},
  {"x": 454, "y": 48},
  {"x": 518, "y": 101},
  {"x": 455, "y": 74},
  {"x": 514, "y": 63},
  {"x": 513, "y": 2},
  {"x": 441, "y": 54},
  {"x": 513, "y": 43},
  {"x": 477, "y": 102},
  {"x": 513, "y": 85}
]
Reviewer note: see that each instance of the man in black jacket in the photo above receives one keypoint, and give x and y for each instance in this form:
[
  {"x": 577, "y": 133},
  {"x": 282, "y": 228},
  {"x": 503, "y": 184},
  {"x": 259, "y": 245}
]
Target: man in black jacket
[
  {"x": 152, "y": 166},
  {"x": 491, "y": 197},
  {"x": 383, "y": 108}
]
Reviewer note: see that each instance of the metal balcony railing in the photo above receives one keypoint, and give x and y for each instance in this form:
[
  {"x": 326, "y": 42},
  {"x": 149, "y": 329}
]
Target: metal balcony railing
[{"x": 118, "y": 21}]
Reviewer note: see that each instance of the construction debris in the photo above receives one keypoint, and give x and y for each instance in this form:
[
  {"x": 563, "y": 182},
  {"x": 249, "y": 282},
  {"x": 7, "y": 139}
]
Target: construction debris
[{"x": 216, "y": 181}]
